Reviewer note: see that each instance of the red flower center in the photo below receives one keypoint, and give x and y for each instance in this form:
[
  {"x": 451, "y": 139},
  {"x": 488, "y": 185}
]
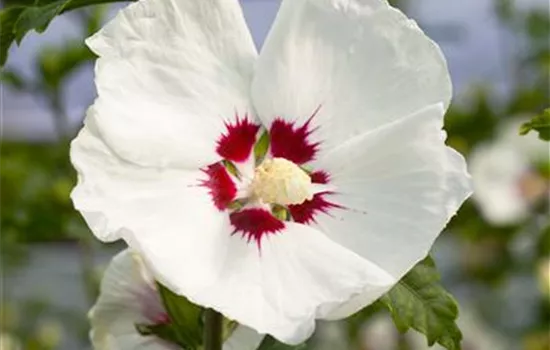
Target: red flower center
[{"x": 249, "y": 216}]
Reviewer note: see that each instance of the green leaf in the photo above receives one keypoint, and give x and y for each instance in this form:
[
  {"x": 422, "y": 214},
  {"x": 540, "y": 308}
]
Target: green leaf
[
  {"x": 13, "y": 79},
  {"x": 37, "y": 18},
  {"x": 17, "y": 21},
  {"x": 57, "y": 63},
  {"x": 186, "y": 317},
  {"x": 8, "y": 18},
  {"x": 270, "y": 343},
  {"x": 420, "y": 302},
  {"x": 540, "y": 123},
  {"x": 94, "y": 18}
]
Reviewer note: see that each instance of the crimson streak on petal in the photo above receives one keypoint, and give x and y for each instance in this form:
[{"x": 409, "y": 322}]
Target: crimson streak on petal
[
  {"x": 254, "y": 223},
  {"x": 305, "y": 213},
  {"x": 291, "y": 143},
  {"x": 319, "y": 177},
  {"x": 237, "y": 143},
  {"x": 221, "y": 186}
]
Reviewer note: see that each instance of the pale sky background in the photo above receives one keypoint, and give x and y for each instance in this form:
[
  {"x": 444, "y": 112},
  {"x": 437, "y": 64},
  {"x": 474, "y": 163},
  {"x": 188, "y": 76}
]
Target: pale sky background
[{"x": 477, "y": 49}]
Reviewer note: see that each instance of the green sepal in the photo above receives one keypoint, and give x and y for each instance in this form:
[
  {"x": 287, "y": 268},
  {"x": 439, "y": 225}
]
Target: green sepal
[
  {"x": 280, "y": 212},
  {"x": 237, "y": 204},
  {"x": 186, "y": 318},
  {"x": 186, "y": 322},
  {"x": 231, "y": 168},
  {"x": 261, "y": 147}
]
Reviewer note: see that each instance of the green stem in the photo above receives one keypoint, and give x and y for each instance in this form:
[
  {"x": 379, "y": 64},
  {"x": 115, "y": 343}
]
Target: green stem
[
  {"x": 61, "y": 120},
  {"x": 91, "y": 288},
  {"x": 213, "y": 330}
]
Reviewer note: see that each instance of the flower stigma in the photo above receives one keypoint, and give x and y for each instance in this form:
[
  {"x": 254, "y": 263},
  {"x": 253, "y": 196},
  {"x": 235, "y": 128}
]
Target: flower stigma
[{"x": 280, "y": 181}]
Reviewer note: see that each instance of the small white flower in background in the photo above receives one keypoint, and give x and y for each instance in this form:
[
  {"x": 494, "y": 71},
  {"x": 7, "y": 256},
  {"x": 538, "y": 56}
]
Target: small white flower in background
[
  {"x": 49, "y": 333},
  {"x": 128, "y": 297},
  {"x": 506, "y": 182},
  {"x": 543, "y": 276},
  {"x": 9, "y": 341},
  {"x": 356, "y": 182}
]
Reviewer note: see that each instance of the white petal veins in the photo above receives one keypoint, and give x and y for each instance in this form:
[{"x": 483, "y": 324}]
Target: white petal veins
[
  {"x": 361, "y": 62},
  {"x": 169, "y": 74},
  {"x": 400, "y": 186},
  {"x": 157, "y": 208},
  {"x": 298, "y": 275}
]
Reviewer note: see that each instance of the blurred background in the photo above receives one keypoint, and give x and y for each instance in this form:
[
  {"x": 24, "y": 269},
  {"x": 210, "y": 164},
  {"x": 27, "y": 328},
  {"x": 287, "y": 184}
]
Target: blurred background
[{"x": 494, "y": 256}]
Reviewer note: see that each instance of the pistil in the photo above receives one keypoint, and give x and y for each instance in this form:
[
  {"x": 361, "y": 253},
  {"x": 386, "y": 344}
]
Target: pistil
[{"x": 280, "y": 181}]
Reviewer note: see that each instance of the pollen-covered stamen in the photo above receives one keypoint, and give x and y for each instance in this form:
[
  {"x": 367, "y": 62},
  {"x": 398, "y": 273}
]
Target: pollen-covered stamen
[{"x": 279, "y": 181}]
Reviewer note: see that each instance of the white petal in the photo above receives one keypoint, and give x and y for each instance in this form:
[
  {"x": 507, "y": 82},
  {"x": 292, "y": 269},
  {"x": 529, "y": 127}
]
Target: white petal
[
  {"x": 361, "y": 61},
  {"x": 298, "y": 275},
  {"x": 169, "y": 73},
  {"x": 243, "y": 338},
  {"x": 125, "y": 299},
  {"x": 400, "y": 185},
  {"x": 165, "y": 210}
]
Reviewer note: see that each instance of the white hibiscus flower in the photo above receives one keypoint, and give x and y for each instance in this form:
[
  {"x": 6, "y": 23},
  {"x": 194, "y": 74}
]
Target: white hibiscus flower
[
  {"x": 505, "y": 179},
  {"x": 356, "y": 182},
  {"x": 129, "y": 298}
]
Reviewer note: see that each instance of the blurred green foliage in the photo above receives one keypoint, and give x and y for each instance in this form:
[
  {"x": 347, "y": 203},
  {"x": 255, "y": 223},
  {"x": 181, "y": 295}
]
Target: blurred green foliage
[
  {"x": 21, "y": 17},
  {"x": 540, "y": 124},
  {"x": 269, "y": 343},
  {"x": 37, "y": 178},
  {"x": 36, "y": 182},
  {"x": 36, "y": 325}
]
